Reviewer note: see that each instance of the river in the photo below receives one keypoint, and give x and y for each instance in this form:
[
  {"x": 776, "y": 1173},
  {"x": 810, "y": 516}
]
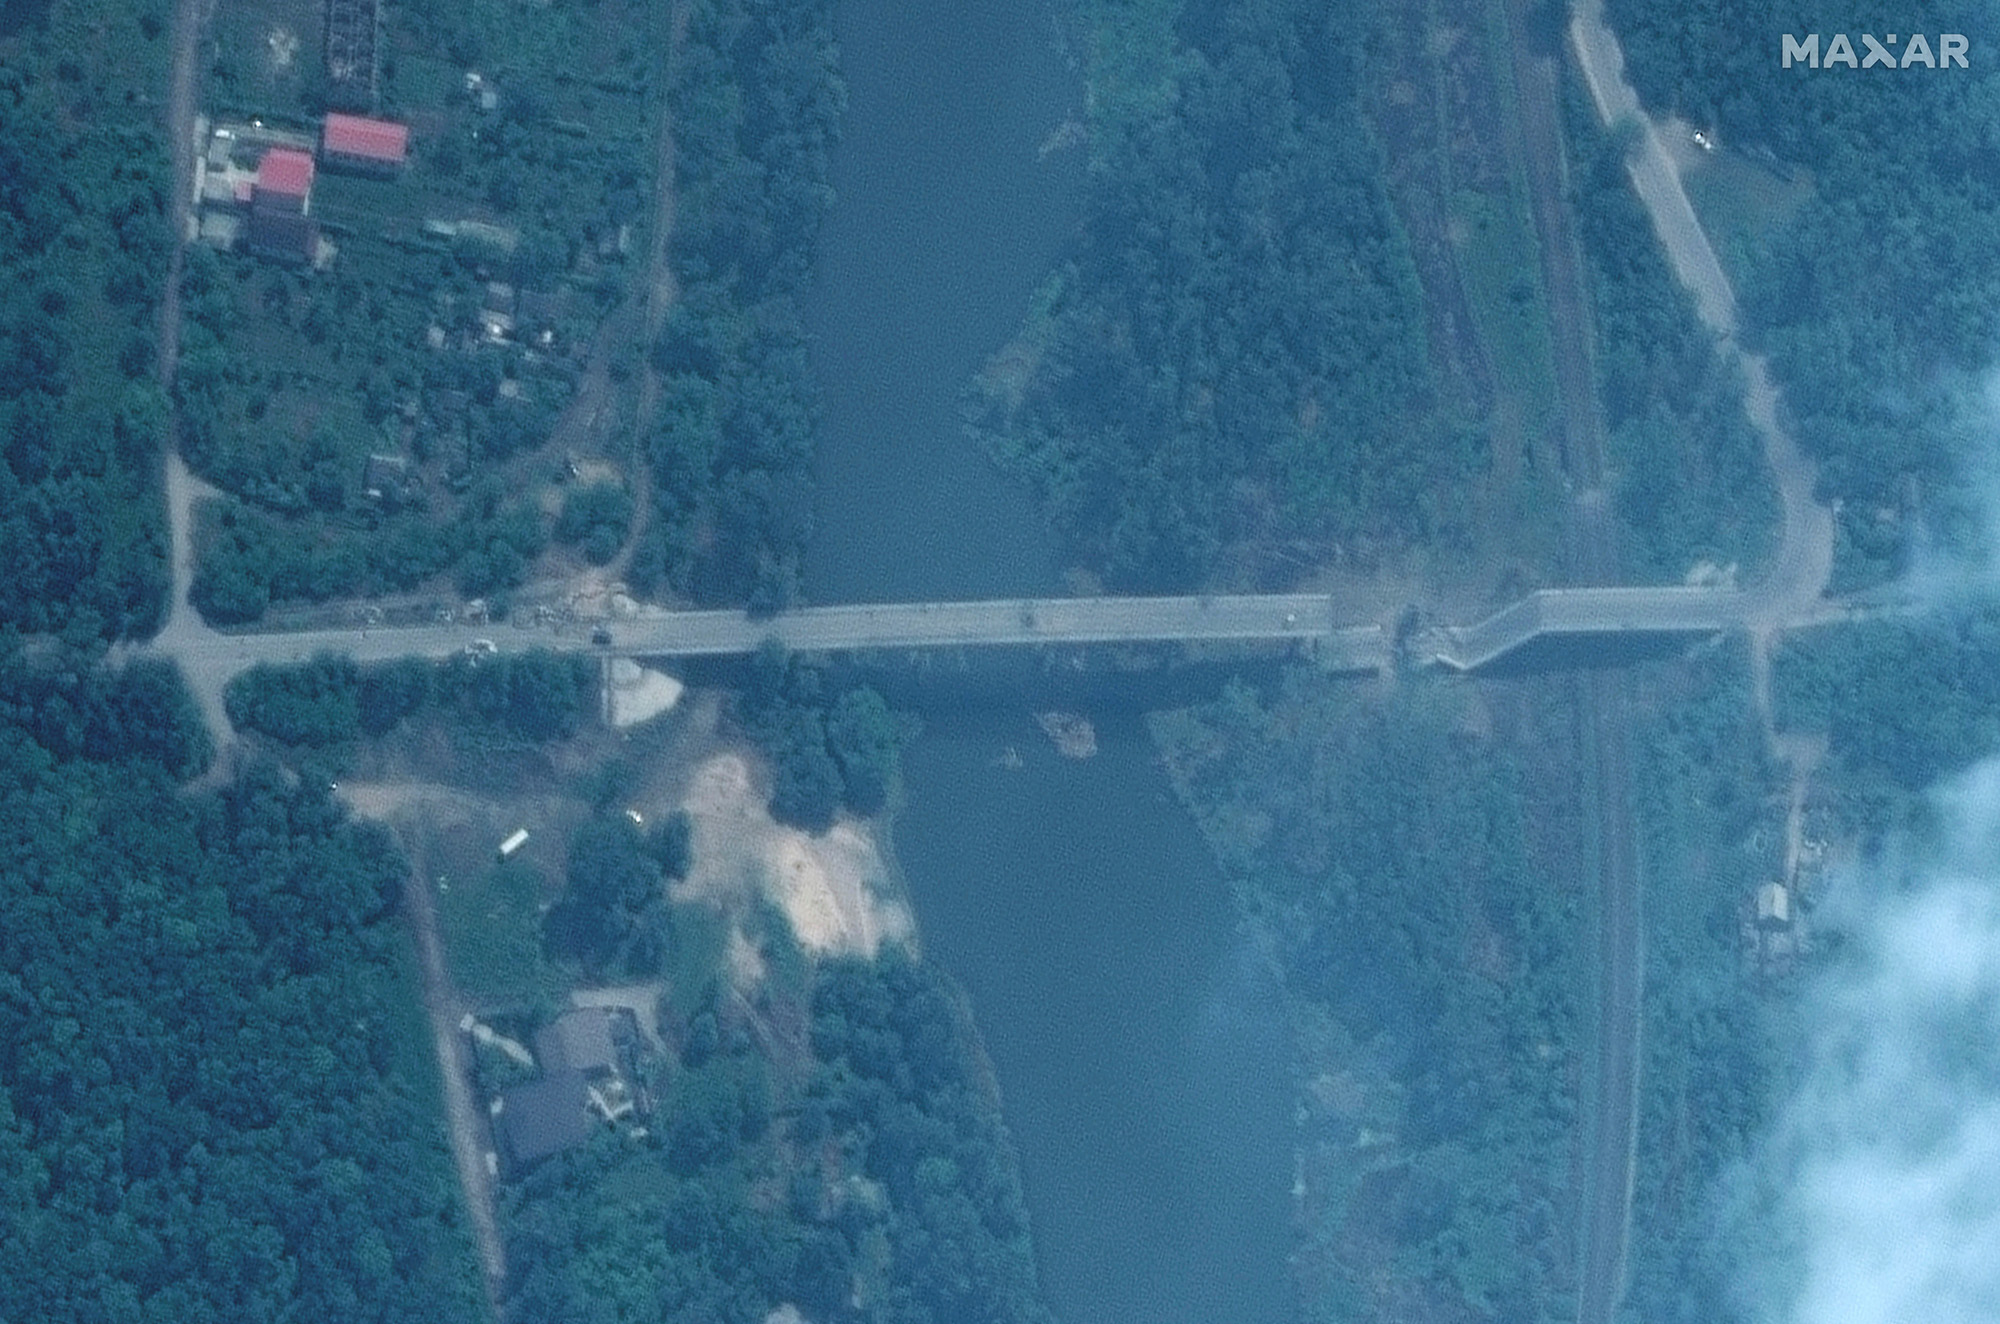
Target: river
[{"x": 1139, "y": 1049}]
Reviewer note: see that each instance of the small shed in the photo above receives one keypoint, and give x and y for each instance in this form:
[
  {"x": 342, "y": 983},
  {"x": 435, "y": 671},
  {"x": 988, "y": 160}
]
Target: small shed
[
  {"x": 518, "y": 839},
  {"x": 1774, "y": 906}
]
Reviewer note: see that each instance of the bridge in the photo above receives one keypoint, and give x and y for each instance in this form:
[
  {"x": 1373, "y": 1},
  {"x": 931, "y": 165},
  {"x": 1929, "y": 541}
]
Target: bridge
[
  {"x": 1304, "y": 619},
  {"x": 1578, "y": 613}
]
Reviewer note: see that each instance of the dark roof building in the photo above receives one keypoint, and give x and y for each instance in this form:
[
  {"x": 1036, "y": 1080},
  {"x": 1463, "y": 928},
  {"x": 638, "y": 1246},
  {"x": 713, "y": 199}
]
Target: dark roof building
[
  {"x": 541, "y": 1118},
  {"x": 372, "y": 146},
  {"x": 284, "y": 180},
  {"x": 285, "y": 235}
]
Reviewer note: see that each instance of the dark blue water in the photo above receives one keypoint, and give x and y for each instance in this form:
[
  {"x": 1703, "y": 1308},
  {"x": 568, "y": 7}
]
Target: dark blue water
[
  {"x": 947, "y": 216},
  {"x": 1140, "y": 1055}
]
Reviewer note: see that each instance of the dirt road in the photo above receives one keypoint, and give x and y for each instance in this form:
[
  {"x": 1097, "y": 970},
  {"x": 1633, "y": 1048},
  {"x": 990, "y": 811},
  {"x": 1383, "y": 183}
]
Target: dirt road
[
  {"x": 396, "y": 803},
  {"x": 467, "y": 1128},
  {"x": 1803, "y": 564},
  {"x": 188, "y": 19}
]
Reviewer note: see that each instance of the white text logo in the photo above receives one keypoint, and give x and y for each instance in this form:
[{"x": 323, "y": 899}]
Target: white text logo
[{"x": 1951, "y": 49}]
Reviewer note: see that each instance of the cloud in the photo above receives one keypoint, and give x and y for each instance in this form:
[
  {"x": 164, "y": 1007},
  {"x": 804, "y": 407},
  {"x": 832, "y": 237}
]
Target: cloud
[
  {"x": 1952, "y": 558},
  {"x": 1877, "y": 1193}
]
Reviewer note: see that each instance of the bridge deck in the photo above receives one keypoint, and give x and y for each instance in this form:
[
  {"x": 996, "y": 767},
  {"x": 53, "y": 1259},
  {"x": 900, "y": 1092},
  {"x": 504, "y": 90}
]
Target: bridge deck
[
  {"x": 1278, "y": 618},
  {"x": 1225, "y": 618},
  {"x": 1573, "y": 612}
]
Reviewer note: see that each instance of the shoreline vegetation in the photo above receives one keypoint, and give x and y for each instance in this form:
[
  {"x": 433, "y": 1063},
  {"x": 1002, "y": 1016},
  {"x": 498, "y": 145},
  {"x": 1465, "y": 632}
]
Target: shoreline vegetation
[
  {"x": 1384, "y": 851},
  {"x": 1223, "y": 379}
]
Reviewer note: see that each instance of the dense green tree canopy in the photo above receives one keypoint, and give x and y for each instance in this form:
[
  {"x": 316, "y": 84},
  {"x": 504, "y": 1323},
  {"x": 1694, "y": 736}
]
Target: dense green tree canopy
[
  {"x": 215, "y": 1100},
  {"x": 1234, "y": 353}
]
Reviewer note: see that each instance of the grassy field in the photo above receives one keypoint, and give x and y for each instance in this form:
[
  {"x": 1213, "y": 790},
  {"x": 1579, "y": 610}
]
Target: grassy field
[
  {"x": 490, "y": 921},
  {"x": 1498, "y": 261},
  {"x": 1742, "y": 204}
]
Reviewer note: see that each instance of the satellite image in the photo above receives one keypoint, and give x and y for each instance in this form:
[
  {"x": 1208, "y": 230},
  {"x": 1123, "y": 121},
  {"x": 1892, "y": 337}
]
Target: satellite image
[{"x": 1014, "y": 662}]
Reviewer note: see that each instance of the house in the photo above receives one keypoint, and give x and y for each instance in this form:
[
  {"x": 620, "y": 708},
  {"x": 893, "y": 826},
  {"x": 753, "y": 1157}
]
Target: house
[
  {"x": 287, "y": 236},
  {"x": 584, "y": 1041},
  {"x": 542, "y": 1118},
  {"x": 367, "y": 146},
  {"x": 284, "y": 182}
]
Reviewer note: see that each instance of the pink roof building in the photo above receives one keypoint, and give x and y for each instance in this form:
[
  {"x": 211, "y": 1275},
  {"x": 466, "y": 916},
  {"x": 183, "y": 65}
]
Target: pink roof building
[
  {"x": 365, "y": 144},
  {"x": 284, "y": 179}
]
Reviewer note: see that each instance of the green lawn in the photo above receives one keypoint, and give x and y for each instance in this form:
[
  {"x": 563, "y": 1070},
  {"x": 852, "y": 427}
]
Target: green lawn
[{"x": 490, "y": 922}]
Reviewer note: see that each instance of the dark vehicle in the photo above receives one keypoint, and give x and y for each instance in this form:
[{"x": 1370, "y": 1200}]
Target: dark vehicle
[{"x": 601, "y": 637}]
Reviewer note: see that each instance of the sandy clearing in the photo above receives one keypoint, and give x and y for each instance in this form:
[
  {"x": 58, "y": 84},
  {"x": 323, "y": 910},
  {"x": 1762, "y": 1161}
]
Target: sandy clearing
[
  {"x": 636, "y": 694},
  {"x": 833, "y": 889}
]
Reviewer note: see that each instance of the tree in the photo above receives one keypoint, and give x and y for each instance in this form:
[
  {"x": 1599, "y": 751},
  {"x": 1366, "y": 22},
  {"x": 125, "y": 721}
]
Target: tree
[{"x": 866, "y": 740}]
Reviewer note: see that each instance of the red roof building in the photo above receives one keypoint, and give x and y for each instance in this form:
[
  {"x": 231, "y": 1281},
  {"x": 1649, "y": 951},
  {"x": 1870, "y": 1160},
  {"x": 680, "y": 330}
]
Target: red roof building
[
  {"x": 284, "y": 179},
  {"x": 364, "y": 144}
]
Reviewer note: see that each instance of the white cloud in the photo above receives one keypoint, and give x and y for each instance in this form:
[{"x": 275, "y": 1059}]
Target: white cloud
[{"x": 1878, "y": 1189}]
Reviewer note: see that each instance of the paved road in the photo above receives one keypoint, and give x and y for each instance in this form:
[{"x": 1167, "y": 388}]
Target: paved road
[
  {"x": 1304, "y": 617},
  {"x": 1576, "y": 612}
]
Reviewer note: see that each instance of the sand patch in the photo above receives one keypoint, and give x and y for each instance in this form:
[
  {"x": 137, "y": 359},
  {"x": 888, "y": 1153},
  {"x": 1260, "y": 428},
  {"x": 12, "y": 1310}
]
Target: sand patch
[
  {"x": 638, "y": 693},
  {"x": 833, "y": 889}
]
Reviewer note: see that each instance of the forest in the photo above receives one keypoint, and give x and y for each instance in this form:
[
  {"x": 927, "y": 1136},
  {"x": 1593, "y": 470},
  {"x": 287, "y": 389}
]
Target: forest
[
  {"x": 827, "y": 752},
  {"x": 1432, "y": 972},
  {"x": 833, "y": 1143},
  {"x": 1902, "y": 702},
  {"x": 1232, "y": 356},
  {"x": 331, "y": 701},
  {"x": 83, "y": 237},
  {"x": 1691, "y": 482},
  {"x": 216, "y": 1100},
  {"x": 757, "y": 100},
  {"x": 1876, "y": 299}
]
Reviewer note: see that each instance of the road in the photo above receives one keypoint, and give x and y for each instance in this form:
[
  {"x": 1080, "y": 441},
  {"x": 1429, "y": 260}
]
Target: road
[
  {"x": 213, "y": 657},
  {"x": 1790, "y": 589}
]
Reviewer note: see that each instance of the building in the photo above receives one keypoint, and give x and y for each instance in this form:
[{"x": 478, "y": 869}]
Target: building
[
  {"x": 584, "y": 1041},
  {"x": 286, "y": 236},
  {"x": 542, "y": 1118},
  {"x": 1774, "y": 906},
  {"x": 284, "y": 182},
  {"x": 520, "y": 835},
  {"x": 584, "y": 1055},
  {"x": 366, "y": 146}
]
